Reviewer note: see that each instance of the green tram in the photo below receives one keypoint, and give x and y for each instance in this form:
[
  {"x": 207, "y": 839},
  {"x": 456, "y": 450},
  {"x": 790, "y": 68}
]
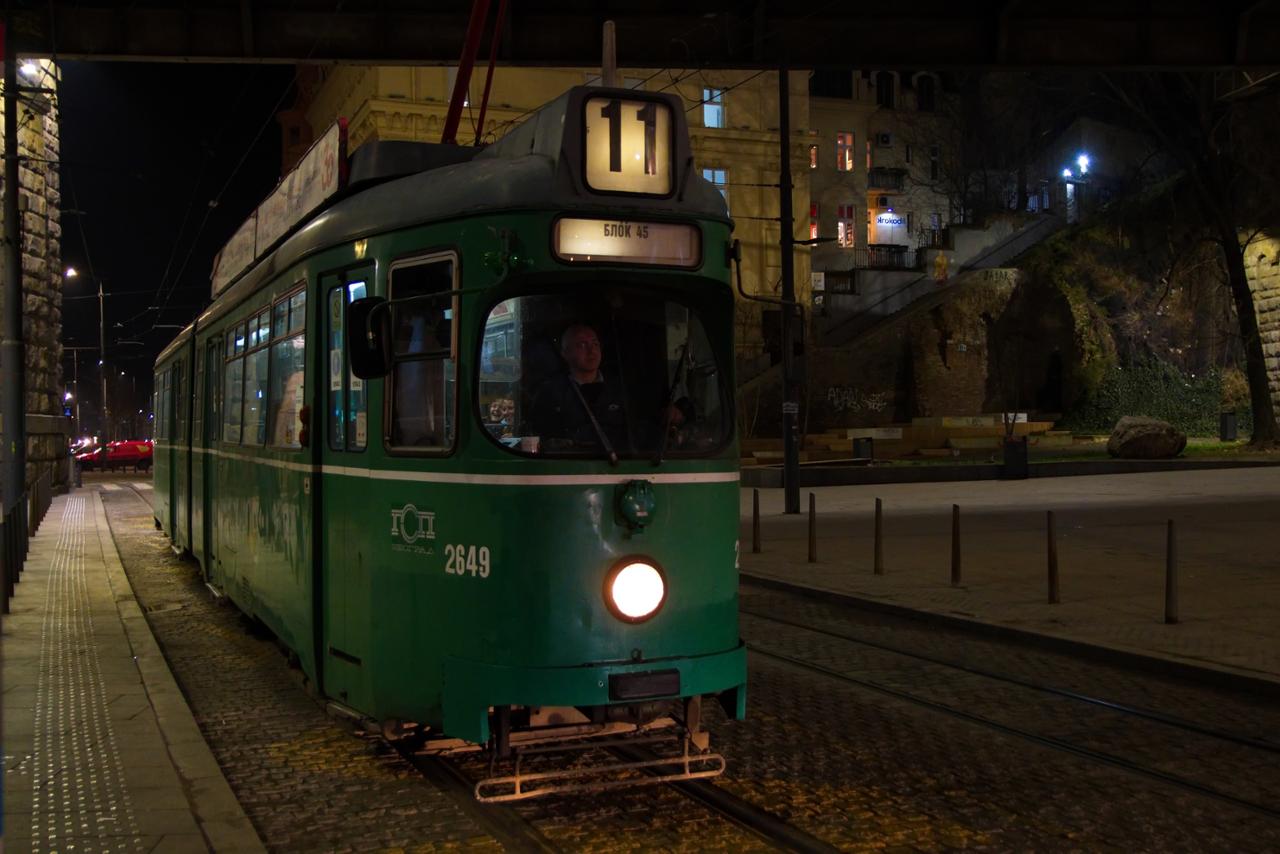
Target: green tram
[{"x": 463, "y": 438}]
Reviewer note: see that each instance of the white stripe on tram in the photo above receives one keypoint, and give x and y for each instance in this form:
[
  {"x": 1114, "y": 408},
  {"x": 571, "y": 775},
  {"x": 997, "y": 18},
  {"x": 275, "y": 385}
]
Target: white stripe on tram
[{"x": 480, "y": 479}]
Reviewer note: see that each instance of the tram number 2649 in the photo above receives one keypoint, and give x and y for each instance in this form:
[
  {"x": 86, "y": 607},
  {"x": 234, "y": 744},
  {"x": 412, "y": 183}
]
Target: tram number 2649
[{"x": 466, "y": 560}]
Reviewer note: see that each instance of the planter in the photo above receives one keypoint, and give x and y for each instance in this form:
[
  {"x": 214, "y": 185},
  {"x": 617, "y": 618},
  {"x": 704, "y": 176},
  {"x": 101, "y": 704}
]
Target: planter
[
  {"x": 1227, "y": 426},
  {"x": 1015, "y": 466}
]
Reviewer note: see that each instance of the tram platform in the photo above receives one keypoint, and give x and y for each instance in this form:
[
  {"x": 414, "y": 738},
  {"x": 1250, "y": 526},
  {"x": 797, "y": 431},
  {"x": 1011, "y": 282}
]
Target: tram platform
[
  {"x": 1111, "y": 535},
  {"x": 101, "y": 749}
]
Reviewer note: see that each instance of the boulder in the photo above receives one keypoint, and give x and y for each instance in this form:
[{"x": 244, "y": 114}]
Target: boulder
[{"x": 1136, "y": 437}]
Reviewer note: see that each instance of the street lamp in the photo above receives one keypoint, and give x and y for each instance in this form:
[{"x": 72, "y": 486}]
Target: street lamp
[{"x": 72, "y": 273}]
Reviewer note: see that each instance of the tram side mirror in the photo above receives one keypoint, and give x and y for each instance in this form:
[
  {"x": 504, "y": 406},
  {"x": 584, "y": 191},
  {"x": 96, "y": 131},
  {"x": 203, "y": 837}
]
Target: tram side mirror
[{"x": 369, "y": 337}]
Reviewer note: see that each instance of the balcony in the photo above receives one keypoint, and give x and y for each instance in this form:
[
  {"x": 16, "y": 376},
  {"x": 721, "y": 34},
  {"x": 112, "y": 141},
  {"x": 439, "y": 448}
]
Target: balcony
[
  {"x": 887, "y": 256},
  {"x": 879, "y": 178}
]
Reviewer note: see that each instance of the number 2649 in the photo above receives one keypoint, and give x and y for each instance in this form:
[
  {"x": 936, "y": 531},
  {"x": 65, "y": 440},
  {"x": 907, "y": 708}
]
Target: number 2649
[{"x": 466, "y": 560}]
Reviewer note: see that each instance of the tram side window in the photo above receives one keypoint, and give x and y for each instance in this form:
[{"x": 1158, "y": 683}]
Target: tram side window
[
  {"x": 255, "y": 380},
  {"x": 288, "y": 370},
  {"x": 233, "y": 395},
  {"x": 348, "y": 421},
  {"x": 423, "y": 374},
  {"x": 175, "y": 402},
  {"x": 162, "y": 425}
]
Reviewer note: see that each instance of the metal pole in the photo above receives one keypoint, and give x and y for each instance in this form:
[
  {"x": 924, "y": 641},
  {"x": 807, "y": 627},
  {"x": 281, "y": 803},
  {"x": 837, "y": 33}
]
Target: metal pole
[
  {"x": 790, "y": 403},
  {"x": 13, "y": 438},
  {"x": 102, "y": 367},
  {"x": 813, "y": 528},
  {"x": 879, "y": 564},
  {"x": 461, "y": 83},
  {"x": 755, "y": 521},
  {"x": 955, "y": 545},
  {"x": 609, "y": 63},
  {"x": 1053, "y": 563},
  {"x": 1171, "y": 577}
]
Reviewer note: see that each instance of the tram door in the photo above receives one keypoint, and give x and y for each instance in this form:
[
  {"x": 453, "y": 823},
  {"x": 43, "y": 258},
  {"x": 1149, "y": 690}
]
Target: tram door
[
  {"x": 177, "y": 424},
  {"x": 344, "y": 493},
  {"x": 204, "y": 468}
]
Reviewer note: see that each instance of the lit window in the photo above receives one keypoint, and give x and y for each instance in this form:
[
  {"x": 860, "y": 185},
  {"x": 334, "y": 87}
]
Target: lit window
[
  {"x": 713, "y": 108},
  {"x": 844, "y": 226},
  {"x": 720, "y": 178},
  {"x": 813, "y": 156},
  {"x": 844, "y": 152},
  {"x": 813, "y": 221},
  {"x": 868, "y": 153}
]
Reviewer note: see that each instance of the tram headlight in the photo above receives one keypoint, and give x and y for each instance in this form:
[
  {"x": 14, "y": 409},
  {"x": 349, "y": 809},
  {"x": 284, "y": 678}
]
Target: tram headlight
[{"x": 635, "y": 589}]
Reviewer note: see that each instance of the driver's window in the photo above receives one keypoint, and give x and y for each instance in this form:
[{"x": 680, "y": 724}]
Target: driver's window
[{"x": 423, "y": 371}]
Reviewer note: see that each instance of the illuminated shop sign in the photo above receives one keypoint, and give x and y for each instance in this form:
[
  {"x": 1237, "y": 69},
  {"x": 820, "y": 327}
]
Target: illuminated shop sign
[
  {"x": 586, "y": 240},
  {"x": 628, "y": 146},
  {"x": 891, "y": 219}
]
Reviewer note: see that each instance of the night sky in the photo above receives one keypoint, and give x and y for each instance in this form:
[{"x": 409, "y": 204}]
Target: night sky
[{"x": 145, "y": 149}]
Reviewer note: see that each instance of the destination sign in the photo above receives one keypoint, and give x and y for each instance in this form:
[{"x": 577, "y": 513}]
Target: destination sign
[
  {"x": 596, "y": 240},
  {"x": 628, "y": 146}
]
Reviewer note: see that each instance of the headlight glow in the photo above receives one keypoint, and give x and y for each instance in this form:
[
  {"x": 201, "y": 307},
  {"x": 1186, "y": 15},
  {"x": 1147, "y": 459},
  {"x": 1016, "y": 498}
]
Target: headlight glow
[{"x": 635, "y": 590}]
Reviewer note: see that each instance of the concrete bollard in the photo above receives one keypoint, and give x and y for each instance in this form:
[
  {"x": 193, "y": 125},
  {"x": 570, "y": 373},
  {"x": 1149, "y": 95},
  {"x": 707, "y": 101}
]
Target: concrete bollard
[
  {"x": 755, "y": 521},
  {"x": 1053, "y": 563},
  {"x": 955, "y": 545},
  {"x": 879, "y": 564},
  {"x": 813, "y": 528},
  {"x": 1171, "y": 577}
]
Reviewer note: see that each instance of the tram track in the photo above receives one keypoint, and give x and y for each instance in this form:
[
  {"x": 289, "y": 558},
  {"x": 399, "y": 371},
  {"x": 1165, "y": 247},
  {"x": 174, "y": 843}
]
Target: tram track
[
  {"x": 1255, "y": 746},
  {"x": 779, "y": 834}
]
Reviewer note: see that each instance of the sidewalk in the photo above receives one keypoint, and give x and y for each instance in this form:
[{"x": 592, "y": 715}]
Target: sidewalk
[
  {"x": 1111, "y": 539},
  {"x": 101, "y": 750}
]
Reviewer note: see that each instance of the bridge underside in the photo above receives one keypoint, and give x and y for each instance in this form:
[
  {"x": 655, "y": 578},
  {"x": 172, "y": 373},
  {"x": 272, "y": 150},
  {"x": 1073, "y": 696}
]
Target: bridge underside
[{"x": 677, "y": 33}]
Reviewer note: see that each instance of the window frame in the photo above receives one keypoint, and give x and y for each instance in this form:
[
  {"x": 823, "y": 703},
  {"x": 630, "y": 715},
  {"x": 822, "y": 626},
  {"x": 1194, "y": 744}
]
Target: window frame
[
  {"x": 414, "y": 259},
  {"x": 324, "y": 291},
  {"x": 714, "y": 98},
  {"x": 845, "y": 143},
  {"x": 290, "y": 332}
]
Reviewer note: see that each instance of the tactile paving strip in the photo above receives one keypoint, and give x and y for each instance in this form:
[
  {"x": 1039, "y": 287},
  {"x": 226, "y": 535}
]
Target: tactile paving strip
[{"x": 79, "y": 802}]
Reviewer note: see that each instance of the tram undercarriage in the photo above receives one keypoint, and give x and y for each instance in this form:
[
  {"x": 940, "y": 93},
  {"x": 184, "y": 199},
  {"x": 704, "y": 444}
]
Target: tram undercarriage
[{"x": 547, "y": 750}]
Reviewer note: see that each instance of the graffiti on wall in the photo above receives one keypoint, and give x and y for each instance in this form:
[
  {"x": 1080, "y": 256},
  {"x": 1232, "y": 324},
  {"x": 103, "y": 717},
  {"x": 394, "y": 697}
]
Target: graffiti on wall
[{"x": 849, "y": 399}]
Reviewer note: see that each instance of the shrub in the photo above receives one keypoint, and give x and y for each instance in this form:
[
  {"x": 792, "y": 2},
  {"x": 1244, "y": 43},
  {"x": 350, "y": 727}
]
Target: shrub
[{"x": 1156, "y": 389}]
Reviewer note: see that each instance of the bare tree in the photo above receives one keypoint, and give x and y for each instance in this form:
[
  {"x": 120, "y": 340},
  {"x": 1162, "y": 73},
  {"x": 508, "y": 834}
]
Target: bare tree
[{"x": 1222, "y": 135}]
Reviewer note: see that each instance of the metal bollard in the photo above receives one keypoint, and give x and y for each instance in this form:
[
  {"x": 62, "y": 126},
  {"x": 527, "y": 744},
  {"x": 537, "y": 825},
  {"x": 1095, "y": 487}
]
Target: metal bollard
[
  {"x": 879, "y": 564},
  {"x": 1053, "y": 563},
  {"x": 755, "y": 521},
  {"x": 955, "y": 545},
  {"x": 1171, "y": 578},
  {"x": 813, "y": 528}
]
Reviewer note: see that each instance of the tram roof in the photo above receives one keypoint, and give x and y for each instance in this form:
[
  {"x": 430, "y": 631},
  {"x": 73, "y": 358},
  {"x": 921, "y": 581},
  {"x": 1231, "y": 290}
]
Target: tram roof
[{"x": 535, "y": 167}]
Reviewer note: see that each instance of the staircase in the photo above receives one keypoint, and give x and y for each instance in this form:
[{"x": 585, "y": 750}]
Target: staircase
[{"x": 924, "y": 286}]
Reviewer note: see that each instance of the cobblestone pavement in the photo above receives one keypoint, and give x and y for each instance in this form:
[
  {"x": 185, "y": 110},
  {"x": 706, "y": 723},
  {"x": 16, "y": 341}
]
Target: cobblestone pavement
[
  {"x": 900, "y": 775},
  {"x": 307, "y": 782},
  {"x": 862, "y": 771}
]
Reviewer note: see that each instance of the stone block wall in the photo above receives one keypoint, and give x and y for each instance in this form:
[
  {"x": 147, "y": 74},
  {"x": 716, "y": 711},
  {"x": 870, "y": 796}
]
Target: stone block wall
[
  {"x": 1262, "y": 263},
  {"x": 39, "y": 204}
]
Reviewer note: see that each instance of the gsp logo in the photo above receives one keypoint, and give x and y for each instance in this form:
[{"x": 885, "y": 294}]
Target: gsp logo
[{"x": 411, "y": 524}]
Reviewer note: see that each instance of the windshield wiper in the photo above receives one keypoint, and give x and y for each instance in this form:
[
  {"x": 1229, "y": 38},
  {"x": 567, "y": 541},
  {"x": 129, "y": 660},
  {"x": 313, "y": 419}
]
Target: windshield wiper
[
  {"x": 671, "y": 399},
  {"x": 600, "y": 434}
]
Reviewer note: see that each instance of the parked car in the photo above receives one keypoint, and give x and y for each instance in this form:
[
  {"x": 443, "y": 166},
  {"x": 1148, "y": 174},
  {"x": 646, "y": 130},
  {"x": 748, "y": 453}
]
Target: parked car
[{"x": 135, "y": 453}]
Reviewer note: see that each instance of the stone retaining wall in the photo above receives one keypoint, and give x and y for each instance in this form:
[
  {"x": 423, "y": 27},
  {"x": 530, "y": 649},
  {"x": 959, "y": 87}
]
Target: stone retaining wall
[
  {"x": 39, "y": 203},
  {"x": 1262, "y": 263}
]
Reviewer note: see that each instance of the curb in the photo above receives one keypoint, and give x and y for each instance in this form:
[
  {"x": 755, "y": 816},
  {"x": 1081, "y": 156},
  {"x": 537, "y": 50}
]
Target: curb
[
  {"x": 770, "y": 477},
  {"x": 1215, "y": 677},
  {"x": 213, "y": 805}
]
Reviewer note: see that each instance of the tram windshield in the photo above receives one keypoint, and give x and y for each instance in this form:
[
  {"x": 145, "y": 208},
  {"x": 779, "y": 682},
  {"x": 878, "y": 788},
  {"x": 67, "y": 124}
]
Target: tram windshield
[{"x": 613, "y": 374}]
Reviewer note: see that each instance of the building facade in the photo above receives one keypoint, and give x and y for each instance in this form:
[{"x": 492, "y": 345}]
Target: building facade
[{"x": 875, "y": 146}]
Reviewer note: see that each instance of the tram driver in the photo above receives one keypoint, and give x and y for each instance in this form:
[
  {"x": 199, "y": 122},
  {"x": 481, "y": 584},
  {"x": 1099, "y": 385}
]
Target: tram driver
[{"x": 577, "y": 408}]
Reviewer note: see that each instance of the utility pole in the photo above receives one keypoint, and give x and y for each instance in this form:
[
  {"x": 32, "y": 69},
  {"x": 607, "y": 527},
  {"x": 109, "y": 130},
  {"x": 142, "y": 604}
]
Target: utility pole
[
  {"x": 12, "y": 356},
  {"x": 790, "y": 405},
  {"x": 102, "y": 368}
]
